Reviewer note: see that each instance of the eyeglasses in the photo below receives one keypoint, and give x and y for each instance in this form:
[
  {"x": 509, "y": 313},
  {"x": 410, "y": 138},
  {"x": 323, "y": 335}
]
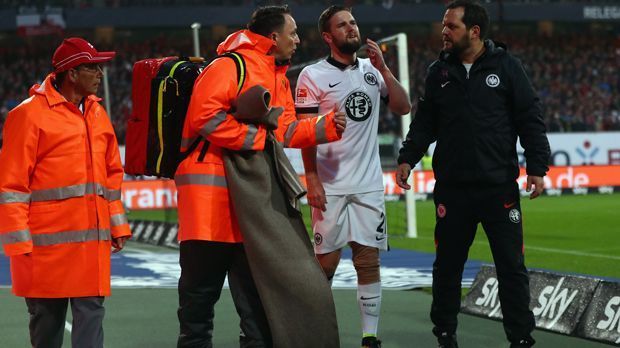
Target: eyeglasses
[{"x": 90, "y": 67}]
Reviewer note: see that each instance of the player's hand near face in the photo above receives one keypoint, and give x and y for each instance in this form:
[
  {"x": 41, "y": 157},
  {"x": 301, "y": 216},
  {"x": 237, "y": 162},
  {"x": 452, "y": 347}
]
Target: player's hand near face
[{"x": 375, "y": 55}]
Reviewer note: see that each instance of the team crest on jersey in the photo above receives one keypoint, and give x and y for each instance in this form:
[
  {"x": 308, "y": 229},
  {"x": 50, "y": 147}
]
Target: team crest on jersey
[
  {"x": 514, "y": 215},
  {"x": 492, "y": 80},
  {"x": 370, "y": 78},
  {"x": 358, "y": 106},
  {"x": 318, "y": 239}
]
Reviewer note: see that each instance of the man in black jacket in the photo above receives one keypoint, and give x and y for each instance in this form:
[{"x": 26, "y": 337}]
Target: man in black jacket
[{"x": 478, "y": 99}]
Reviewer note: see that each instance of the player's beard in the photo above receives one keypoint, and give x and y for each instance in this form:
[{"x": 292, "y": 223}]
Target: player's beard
[
  {"x": 349, "y": 47},
  {"x": 460, "y": 46}
]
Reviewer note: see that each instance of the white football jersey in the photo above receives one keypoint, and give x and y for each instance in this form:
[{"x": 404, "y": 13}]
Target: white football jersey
[{"x": 352, "y": 164}]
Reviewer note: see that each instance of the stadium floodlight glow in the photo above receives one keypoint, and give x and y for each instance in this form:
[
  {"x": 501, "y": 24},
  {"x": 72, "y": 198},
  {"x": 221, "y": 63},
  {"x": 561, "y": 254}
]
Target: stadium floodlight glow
[{"x": 195, "y": 28}]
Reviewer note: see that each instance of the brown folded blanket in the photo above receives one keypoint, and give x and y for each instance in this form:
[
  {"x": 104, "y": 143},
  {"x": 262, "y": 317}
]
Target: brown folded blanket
[
  {"x": 252, "y": 106},
  {"x": 293, "y": 289}
]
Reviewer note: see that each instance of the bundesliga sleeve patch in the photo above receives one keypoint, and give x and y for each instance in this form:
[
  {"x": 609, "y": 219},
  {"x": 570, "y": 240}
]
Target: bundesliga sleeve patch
[{"x": 302, "y": 94}]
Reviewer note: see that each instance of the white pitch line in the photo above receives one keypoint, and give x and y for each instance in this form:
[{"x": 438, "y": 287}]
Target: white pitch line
[
  {"x": 572, "y": 252},
  {"x": 553, "y": 250},
  {"x": 527, "y": 247},
  {"x": 137, "y": 250}
]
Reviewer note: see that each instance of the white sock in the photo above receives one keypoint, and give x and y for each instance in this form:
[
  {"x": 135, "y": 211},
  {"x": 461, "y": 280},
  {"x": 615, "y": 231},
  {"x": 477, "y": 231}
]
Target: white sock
[{"x": 369, "y": 301}]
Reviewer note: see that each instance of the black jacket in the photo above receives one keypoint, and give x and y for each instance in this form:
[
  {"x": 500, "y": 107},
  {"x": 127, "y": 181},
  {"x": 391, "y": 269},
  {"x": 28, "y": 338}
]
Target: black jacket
[{"x": 475, "y": 120}]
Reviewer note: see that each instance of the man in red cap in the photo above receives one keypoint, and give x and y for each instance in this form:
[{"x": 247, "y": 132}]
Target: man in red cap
[{"x": 60, "y": 208}]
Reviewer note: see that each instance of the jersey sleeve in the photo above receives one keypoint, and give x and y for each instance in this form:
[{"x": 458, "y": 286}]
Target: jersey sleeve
[
  {"x": 299, "y": 132},
  {"x": 307, "y": 94}
]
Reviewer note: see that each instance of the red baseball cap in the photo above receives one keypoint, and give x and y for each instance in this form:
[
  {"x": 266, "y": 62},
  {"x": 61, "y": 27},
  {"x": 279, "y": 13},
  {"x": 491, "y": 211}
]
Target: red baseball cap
[{"x": 75, "y": 51}]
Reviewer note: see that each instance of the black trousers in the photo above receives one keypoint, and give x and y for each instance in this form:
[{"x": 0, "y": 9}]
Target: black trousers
[
  {"x": 47, "y": 321},
  {"x": 204, "y": 266},
  {"x": 459, "y": 209}
]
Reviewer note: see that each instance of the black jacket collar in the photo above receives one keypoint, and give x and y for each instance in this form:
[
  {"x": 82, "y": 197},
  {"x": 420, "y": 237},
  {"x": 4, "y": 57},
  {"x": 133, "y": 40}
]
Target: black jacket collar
[{"x": 342, "y": 66}]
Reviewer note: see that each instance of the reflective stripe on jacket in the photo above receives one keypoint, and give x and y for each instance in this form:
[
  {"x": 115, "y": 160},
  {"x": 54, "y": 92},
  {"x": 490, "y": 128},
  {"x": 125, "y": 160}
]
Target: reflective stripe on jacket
[
  {"x": 60, "y": 195},
  {"x": 205, "y": 211}
]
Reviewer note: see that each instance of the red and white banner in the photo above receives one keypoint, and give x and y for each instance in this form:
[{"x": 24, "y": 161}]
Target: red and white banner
[
  {"x": 557, "y": 178},
  {"x": 159, "y": 194},
  {"x": 51, "y": 22},
  {"x": 149, "y": 194}
]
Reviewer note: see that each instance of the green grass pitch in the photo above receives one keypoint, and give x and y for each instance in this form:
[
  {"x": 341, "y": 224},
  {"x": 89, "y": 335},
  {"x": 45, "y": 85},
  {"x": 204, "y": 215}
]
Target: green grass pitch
[{"x": 576, "y": 234}]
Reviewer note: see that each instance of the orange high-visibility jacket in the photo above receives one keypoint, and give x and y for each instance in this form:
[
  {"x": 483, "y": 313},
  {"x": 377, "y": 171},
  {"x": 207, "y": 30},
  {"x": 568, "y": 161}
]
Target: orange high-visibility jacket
[
  {"x": 204, "y": 207},
  {"x": 60, "y": 180}
]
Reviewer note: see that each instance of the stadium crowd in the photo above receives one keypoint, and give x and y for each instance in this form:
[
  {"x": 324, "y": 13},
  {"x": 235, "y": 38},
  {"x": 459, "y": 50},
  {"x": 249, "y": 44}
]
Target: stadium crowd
[
  {"x": 579, "y": 83},
  {"x": 27, "y": 4}
]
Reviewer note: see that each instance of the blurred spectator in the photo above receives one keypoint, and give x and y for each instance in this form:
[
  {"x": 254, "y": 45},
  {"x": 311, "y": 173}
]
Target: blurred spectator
[
  {"x": 579, "y": 84},
  {"x": 168, "y": 3}
]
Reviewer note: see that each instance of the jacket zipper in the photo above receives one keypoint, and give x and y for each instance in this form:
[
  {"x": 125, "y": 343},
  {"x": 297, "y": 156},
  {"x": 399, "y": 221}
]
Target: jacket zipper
[
  {"x": 92, "y": 179},
  {"x": 474, "y": 65},
  {"x": 90, "y": 158}
]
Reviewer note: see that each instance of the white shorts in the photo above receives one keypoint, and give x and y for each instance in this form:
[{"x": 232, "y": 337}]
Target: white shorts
[{"x": 356, "y": 218}]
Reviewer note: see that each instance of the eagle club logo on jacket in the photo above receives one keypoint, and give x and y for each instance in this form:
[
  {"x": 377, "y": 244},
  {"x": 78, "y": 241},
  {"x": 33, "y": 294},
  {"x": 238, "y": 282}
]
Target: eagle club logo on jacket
[
  {"x": 514, "y": 215},
  {"x": 492, "y": 80}
]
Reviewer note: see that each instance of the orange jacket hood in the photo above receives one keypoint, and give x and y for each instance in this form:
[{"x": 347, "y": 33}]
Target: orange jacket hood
[{"x": 245, "y": 39}]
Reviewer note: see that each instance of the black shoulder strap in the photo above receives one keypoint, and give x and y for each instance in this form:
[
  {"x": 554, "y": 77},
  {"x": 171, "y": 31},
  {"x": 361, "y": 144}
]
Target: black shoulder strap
[{"x": 241, "y": 73}]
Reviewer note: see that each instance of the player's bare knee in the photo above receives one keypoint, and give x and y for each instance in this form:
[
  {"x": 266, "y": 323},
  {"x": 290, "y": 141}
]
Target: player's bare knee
[
  {"x": 329, "y": 262},
  {"x": 329, "y": 271},
  {"x": 366, "y": 262}
]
